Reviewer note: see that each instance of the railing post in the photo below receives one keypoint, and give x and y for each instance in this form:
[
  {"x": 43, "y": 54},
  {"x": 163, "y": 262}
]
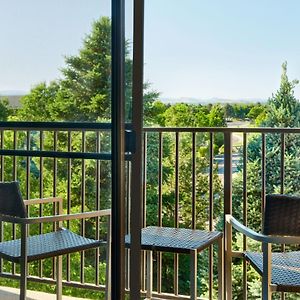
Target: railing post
[{"x": 227, "y": 210}]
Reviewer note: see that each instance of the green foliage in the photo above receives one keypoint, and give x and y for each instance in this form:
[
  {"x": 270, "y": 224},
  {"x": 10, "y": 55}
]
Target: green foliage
[
  {"x": 283, "y": 107},
  {"x": 240, "y": 110},
  {"x": 84, "y": 91},
  {"x": 228, "y": 110},
  {"x": 5, "y": 109},
  {"x": 189, "y": 115},
  {"x": 38, "y": 104},
  {"x": 86, "y": 77},
  {"x": 257, "y": 113},
  {"x": 156, "y": 113},
  {"x": 217, "y": 116}
]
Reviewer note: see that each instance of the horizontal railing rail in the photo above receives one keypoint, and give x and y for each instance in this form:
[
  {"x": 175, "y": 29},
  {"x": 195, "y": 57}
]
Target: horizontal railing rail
[
  {"x": 61, "y": 126},
  {"x": 223, "y": 129}
]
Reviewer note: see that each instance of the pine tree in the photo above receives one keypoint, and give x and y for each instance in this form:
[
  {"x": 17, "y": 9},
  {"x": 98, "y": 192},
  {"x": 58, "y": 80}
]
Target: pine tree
[
  {"x": 84, "y": 91},
  {"x": 284, "y": 108}
]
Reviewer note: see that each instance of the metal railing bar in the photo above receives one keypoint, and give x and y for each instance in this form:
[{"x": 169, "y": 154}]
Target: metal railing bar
[
  {"x": 58, "y": 154},
  {"x": 223, "y": 129},
  {"x": 211, "y": 192},
  {"x": 41, "y": 195},
  {"x": 263, "y": 172},
  {"x": 245, "y": 211},
  {"x": 193, "y": 180},
  {"x": 160, "y": 176},
  {"x": 144, "y": 221},
  {"x": 54, "y": 126},
  {"x": 282, "y": 162},
  {"x": 83, "y": 171},
  {"x": 211, "y": 211},
  {"x": 55, "y": 138},
  {"x": 27, "y": 165},
  {"x": 282, "y": 173},
  {"x": 69, "y": 180},
  {"x": 144, "y": 208},
  {"x": 227, "y": 206},
  {"x": 97, "y": 233},
  {"x": 176, "y": 212},
  {"x": 14, "y": 177}
]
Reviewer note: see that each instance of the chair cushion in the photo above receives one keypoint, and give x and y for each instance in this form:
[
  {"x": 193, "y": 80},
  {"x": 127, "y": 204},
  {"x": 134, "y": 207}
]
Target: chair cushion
[{"x": 11, "y": 202}]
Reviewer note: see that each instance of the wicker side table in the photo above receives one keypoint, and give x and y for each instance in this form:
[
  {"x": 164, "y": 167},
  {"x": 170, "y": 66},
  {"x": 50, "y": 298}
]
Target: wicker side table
[{"x": 180, "y": 240}]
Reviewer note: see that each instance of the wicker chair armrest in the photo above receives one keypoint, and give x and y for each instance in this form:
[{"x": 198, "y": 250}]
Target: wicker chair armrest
[
  {"x": 12, "y": 219},
  {"x": 67, "y": 217},
  {"x": 42, "y": 200},
  {"x": 261, "y": 237},
  {"x": 56, "y": 218}
]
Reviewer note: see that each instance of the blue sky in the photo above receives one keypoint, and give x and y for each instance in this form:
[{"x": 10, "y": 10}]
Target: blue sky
[{"x": 193, "y": 48}]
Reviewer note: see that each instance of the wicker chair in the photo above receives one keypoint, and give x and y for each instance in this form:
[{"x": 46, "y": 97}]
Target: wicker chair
[
  {"x": 280, "y": 271},
  {"x": 53, "y": 244}
]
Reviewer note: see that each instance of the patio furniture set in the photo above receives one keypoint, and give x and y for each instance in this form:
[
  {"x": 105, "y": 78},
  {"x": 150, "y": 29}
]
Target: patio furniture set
[{"x": 281, "y": 225}]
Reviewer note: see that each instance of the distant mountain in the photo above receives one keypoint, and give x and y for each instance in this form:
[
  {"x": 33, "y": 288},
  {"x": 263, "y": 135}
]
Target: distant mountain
[{"x": 190, "y": 100}]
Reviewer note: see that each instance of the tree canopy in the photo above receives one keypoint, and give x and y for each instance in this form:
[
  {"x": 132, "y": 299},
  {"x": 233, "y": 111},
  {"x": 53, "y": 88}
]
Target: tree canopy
[
  {"x": 84, "y": 91},
  {"x": 283, "y": 108}
]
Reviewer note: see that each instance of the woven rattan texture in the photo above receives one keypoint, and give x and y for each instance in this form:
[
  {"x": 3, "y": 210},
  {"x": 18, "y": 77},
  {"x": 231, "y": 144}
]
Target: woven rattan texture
[
  {"x": 282, "y": 215},
  {"x": 285, "y": 269},
  {"x": 47, "y": 245},
  {"x": 179, "y": 240}
]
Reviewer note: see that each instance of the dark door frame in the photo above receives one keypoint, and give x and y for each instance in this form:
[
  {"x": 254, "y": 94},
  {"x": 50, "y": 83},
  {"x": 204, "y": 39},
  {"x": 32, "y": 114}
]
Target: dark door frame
[{"x": 118, "y": 150}]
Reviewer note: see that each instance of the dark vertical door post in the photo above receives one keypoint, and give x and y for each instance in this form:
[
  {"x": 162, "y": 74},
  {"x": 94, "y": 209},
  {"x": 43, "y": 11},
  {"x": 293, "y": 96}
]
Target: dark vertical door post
[
  {"x": 137, "y": 157},
  {"x": 118, "y": 151}
]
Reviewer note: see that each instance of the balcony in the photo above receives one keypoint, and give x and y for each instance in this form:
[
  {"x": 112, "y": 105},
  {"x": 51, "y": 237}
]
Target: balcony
[{"x": 185, "y": 185}]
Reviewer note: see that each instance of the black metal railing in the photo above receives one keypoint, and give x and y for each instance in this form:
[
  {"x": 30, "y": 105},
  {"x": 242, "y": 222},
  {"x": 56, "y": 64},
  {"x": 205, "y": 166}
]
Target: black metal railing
[
  {"x": 174, "y": 157},
  {"x": 70, "y": 160},
  {"x": 187, "y": 183}
]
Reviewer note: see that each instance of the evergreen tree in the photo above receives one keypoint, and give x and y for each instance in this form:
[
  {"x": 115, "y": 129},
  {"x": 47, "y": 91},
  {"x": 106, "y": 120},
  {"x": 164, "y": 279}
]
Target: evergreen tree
[
  {"x": 84, "y": 91},
  {"x": 283, "y": 107}
]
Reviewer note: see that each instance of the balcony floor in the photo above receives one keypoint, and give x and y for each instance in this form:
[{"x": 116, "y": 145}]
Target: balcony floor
[{"x": 8, "y": 293}]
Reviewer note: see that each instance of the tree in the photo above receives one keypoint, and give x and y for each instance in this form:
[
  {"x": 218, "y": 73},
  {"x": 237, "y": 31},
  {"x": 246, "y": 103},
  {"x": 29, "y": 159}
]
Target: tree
[
  {"x": 256, "y": 111},
  {"x": 38, "y": 104},
  {"x": 228, "y": 110},
  {"x": 86, "y": 77},
  {"x": 5, "y": 109},
  {"x": 240, "y": 110},
  {"x": 84, "y": 91},
  {"x": 283, "y": 107},
  {"x": 217, "y": 116}
]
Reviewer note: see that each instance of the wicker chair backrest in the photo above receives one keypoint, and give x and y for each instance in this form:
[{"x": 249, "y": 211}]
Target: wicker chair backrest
[
  {"x": 11, "y": 202},
  {"x": 282, "y": 215}
]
